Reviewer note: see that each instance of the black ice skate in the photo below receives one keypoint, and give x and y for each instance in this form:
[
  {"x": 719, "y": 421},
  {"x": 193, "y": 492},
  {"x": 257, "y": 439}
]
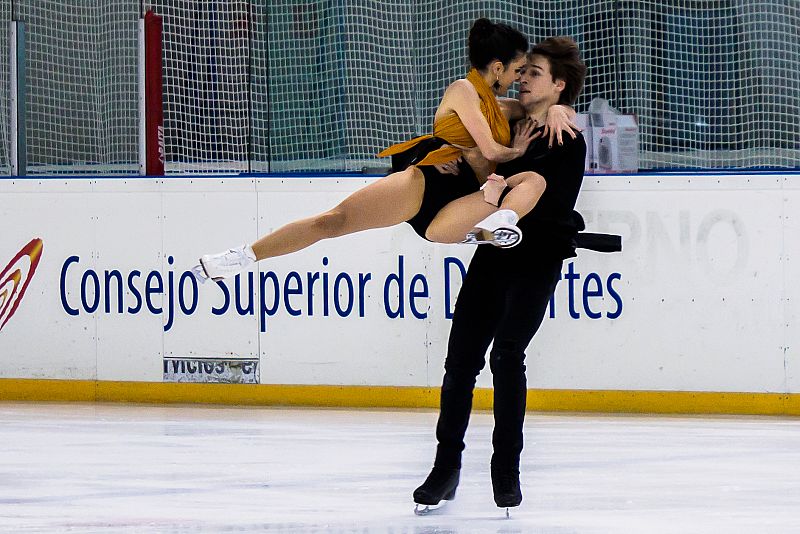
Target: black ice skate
[
  {"x": 440, "y": 486},
  {"x": 505, "y": 484}
]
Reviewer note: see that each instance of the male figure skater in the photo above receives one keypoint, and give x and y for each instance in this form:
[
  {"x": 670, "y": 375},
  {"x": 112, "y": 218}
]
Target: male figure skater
[{"x": 506, "y": 291}]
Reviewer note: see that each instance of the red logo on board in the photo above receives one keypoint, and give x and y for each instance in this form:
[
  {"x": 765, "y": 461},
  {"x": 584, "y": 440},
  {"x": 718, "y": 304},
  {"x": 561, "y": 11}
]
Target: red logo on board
[{"x": 15, "y": 277}]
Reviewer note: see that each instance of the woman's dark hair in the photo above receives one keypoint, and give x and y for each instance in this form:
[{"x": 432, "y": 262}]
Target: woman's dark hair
[
  {"x": 489, "y": 41},
  {"x": 565, "y": 64}
]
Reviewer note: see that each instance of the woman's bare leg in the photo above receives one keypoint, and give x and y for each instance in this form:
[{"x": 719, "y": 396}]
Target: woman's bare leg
[
  {"x": 460, "y": 216},
  {"x": 526, "y": 190},
  {"x": 389, "y": 201}
]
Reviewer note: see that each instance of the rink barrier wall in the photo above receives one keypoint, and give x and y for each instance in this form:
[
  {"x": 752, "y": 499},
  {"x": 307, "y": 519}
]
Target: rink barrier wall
[
  {"x": 698, "y": 314},
  {"x": 599, "y": 401}
]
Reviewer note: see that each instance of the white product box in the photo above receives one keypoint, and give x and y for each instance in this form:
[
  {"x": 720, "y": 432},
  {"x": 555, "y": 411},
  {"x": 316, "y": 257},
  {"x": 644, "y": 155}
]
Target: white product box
[{"x": 615, "y": 143}]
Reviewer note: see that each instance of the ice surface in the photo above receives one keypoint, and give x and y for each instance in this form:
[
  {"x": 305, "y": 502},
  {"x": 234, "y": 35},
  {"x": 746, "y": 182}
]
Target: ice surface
[{"x": 136, "y": 468}]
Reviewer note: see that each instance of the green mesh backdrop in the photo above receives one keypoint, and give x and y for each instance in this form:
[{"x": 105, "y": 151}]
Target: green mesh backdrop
[
  {"x": 289, "y": 85},
  {"x": 81, "y": 84}
]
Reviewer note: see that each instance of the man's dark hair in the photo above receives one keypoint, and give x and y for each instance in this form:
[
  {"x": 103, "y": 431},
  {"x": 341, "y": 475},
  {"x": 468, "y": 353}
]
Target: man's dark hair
[{"x": 565, "y": 64}]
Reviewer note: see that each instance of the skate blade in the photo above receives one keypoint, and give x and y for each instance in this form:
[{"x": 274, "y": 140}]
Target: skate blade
[
  {"x": 425, "y": 509},
  {"x": 199, "y": 273},
  {"x": 502, "y": 237}
]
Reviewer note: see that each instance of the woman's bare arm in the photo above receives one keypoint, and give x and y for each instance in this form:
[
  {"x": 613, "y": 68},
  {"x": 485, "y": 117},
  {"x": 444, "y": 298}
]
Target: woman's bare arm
[{"x": 462, "y": 99}]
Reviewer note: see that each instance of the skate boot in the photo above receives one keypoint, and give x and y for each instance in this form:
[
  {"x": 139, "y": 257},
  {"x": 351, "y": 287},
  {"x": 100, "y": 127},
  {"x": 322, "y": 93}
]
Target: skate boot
[
  {"x": 498, "y": 229},
  {"x": 440, "y": 486},
  {"x": 226, "y": 264},
  {"x": 505, "y": 485}
]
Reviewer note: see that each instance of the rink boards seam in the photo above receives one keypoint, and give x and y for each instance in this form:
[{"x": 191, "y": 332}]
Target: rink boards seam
[{"x": 544, "y": 400}]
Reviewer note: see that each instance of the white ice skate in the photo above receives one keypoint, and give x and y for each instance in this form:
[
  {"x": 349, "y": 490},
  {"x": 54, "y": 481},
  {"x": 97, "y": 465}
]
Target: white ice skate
[
  {"x": 225, "y": 264},
  {"x": 498, "y": 229}
]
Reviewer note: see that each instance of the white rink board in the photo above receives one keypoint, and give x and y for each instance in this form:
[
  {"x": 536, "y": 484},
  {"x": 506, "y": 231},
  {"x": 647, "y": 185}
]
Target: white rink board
[{"x": 701, "y": 299}]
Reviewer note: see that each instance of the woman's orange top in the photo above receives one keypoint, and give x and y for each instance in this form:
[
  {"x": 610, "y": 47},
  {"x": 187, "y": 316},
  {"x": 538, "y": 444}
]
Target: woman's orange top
[{"x": 453, "y": 131}]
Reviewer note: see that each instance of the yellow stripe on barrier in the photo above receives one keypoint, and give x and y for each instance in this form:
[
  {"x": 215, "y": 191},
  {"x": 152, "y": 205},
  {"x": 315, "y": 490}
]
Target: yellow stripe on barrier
[
  {"x": 664, "y": 402},
  {"x": 544, "y": 400}
]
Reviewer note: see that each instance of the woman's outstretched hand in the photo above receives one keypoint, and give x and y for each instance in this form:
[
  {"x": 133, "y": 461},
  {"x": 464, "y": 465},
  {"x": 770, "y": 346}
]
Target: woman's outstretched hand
[{"x": 524, "y": 133}]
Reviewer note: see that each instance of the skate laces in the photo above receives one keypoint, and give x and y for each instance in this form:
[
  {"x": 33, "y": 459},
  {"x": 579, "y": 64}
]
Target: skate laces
[
  {"x": 235, "y": 257},
  {"x": 229, "y": 258}
]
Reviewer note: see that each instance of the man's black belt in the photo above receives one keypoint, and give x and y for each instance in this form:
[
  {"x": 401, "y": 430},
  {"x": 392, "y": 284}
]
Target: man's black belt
[{"x": 599, "y": 242}]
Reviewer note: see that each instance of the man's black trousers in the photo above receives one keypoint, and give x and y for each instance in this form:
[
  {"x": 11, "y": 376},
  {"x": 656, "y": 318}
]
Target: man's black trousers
[{"x": 502, "y": 301}]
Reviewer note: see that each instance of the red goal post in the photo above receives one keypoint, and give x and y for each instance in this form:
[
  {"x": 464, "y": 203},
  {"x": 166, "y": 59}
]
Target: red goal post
[{"x": 151, "y": 106}]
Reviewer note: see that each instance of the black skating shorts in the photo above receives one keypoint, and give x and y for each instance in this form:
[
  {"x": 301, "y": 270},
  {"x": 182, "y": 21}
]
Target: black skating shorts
[{"x": 440, "y": 189}]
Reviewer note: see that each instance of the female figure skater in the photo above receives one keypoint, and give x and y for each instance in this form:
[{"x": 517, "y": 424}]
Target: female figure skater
[{"x": 469, "y": 115}]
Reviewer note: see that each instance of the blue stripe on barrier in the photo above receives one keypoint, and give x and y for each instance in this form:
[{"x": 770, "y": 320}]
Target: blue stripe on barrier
[{"x": 322, "y": 174}]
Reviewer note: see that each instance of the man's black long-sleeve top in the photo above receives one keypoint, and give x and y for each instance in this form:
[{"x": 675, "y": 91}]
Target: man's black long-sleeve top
[{"x": 549, "y": 229}]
